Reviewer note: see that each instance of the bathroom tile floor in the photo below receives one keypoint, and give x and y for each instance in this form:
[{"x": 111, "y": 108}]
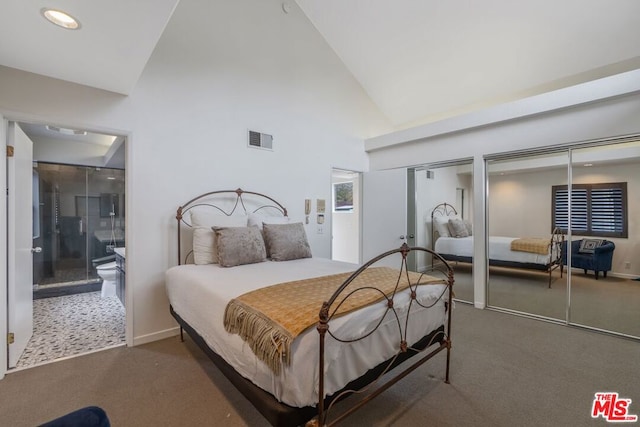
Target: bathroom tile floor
[{"x": 74, "y": 324}]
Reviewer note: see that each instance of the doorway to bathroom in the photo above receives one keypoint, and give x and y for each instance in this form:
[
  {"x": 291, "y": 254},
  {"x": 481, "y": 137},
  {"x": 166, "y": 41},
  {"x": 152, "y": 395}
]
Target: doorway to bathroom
[{"x": 78, "y": 229}]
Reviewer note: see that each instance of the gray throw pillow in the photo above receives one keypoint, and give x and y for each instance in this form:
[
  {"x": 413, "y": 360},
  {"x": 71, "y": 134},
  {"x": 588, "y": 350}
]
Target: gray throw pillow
[
  {"x": 239, "y": 245},
  {"x": 286, "y": 241},
  {"x": 457, "y": 228},
  {"x": 588, "y": 246}
]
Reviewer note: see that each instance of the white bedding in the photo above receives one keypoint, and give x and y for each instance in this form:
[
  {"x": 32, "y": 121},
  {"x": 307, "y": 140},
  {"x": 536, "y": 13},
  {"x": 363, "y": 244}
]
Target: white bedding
[
  {"x": 499, "y": 249},
  {"x": 200, "y": 293}
]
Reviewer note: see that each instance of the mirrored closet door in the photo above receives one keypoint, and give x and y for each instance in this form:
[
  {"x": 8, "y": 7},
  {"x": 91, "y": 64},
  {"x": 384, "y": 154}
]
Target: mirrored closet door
[
  {"x": 605, "y": 248},
  {"x": 525, "y": 271}
]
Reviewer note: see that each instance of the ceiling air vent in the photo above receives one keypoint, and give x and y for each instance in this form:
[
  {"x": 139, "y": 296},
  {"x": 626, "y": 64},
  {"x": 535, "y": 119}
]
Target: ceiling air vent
[{"x": 260, "y": 140}]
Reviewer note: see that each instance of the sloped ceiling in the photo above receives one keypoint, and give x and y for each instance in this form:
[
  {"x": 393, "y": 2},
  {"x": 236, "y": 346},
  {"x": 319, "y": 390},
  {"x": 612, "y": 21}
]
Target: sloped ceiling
[
  {"x": 419, "y": 60},
  {"x": 423, "y": 60}
]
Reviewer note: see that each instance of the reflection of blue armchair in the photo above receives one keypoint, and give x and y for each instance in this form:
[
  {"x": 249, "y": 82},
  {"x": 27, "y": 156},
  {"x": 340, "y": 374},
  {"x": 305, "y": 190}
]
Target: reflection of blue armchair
[{"x": 599, "y": 260}]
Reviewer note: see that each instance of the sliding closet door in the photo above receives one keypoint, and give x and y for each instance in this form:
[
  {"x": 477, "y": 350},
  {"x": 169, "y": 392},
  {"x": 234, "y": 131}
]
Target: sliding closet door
[
  {"x": 606, "y": 233},
  {"x": 525, "y": 272}
]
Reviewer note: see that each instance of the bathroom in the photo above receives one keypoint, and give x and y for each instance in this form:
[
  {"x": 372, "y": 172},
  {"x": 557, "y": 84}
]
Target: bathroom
[
  {"x": 78, "y": 183},
  {"x": 80, "y": 212}
]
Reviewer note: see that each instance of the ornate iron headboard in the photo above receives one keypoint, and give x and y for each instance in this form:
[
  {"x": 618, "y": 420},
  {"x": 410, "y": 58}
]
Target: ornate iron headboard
[{"x": 225, "y": 202}]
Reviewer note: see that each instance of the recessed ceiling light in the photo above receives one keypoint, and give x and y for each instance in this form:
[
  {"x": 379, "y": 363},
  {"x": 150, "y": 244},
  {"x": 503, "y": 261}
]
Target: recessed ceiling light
[
  {"x": 61, "y": 19},
  {"x": 588, "y": 164},
  {"x": 111, "y": 177}
]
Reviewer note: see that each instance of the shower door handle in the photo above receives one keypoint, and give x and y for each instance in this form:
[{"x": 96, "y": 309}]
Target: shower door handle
[{"x": 36, "y": 250}]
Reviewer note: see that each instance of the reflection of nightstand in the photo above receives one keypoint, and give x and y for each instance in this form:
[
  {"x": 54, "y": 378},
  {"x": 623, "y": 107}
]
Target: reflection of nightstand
[{"x": 120, "y": 274}]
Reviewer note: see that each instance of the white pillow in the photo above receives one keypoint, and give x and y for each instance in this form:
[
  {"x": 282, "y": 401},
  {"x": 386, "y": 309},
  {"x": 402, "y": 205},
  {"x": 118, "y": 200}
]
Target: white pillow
[
  {"x": 258, "y": 219},
  {"x": 204, "y": 240},
  {"x": 204, "y": 246},
  {"x": 441, "y": 225}
]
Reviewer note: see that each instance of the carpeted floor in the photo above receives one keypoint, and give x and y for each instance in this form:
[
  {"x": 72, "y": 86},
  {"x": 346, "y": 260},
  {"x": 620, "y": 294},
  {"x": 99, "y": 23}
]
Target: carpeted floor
[
  {"x": 506, "y": 371},
  {"x": 69, "y": 325},
  {"x": 609, "y": 303}
]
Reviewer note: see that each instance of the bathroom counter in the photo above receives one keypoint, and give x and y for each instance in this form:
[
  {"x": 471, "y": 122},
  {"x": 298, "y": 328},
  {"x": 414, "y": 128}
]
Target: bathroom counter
[{"x": 120, "y": 273}]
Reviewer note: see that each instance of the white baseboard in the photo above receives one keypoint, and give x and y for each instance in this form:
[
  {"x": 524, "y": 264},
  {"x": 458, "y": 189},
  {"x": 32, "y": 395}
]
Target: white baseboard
[
  {"x": 156, "y": 336},
  {"x": 576, "y": 270}
]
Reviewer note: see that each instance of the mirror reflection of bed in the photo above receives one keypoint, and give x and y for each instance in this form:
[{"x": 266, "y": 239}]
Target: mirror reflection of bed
[{"x": 453, "y": 238}]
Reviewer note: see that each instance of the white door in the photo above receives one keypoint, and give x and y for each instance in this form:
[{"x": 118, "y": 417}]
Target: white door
[
  {"x": 384, "y": 213},
  {"x": 20, "y": 241}
]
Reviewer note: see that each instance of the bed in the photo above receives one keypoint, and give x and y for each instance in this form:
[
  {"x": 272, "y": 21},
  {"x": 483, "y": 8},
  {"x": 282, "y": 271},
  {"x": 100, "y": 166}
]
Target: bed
[
  {"x": 452, "y": 238},
  {"x": 346, "y": 347}
]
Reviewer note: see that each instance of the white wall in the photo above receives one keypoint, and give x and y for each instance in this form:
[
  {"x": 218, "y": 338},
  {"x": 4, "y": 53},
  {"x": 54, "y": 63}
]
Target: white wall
[{"x": 219, "y": 69}]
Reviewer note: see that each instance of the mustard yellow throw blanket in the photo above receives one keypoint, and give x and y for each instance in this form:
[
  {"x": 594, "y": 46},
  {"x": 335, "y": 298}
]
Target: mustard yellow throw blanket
[
  {"x": 534, "y": 245},
  {"x": 270, "y": 318}
]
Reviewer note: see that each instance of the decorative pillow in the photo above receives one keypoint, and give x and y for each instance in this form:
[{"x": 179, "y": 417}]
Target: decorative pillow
[
  {"x": 286, "y": 241},
  {"x": 457, "y": 228},
  {"x": 259, "y": 219},
  {"x": 469, "y": 226},
  {"x": 588, "y": 246},
  {"x": 239, "y": 245},
  {"x": 441, "y": 225},
  {"x": 204, "y": 241}
]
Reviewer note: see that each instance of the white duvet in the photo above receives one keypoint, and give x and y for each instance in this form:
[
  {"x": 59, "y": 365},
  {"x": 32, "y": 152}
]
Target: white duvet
[
  {"x": 499, "y": 249},
  {"x": 200, "y": 293}
]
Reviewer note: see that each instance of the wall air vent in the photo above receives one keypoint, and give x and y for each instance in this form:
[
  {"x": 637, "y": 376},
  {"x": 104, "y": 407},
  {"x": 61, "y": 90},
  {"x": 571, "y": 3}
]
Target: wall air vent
[
  {"x": 260, "y": 140},
  {"x": 431, "y": 174}
]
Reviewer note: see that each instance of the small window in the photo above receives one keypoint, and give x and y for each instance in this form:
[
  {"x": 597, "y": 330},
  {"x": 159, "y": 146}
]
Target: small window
[
  {"x": 596, "y": 209},
  {"x": 343, "y": 197}
]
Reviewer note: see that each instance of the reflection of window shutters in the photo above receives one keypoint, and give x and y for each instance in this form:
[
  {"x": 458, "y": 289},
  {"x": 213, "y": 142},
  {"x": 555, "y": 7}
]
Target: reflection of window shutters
[
  {"x": 596, "y": 209},
  {"x": 560, "y": 208},
  {"x": 579, "y": 210},
  {"x": 607, "y": 210}
]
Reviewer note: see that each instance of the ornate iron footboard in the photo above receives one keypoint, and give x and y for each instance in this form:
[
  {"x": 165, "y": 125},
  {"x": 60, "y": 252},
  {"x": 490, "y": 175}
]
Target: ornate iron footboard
[{"x": 329, "y": 309}]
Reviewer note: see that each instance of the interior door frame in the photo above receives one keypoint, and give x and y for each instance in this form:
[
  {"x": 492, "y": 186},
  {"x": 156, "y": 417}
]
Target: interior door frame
[{"x": 5, "y": 117}]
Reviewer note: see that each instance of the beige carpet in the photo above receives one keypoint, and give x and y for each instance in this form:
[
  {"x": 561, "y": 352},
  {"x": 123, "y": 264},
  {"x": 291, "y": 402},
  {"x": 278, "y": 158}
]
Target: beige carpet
[
  {"x": 610, "y": 303},
  {"x": 506, "y": 371}
]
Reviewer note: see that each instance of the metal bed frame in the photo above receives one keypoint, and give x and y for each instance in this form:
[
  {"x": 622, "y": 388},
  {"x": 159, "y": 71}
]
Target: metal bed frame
[{"x": 279, "y": 414}]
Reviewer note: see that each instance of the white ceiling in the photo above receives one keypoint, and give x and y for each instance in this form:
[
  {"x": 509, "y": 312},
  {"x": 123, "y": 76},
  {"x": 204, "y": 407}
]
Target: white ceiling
[
  {"x": 108, "y": 52},
  {"x": 419, "y": 60},
  {"x": 423, "y": 60}
]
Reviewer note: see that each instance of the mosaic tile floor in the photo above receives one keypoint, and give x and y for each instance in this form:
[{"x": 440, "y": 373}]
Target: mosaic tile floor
[{"x": 71, "y": 325}]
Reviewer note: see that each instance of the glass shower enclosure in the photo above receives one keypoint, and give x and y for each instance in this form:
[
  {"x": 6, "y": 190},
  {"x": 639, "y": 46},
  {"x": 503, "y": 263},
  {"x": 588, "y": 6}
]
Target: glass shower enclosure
[{"x": 79, "y": 217}]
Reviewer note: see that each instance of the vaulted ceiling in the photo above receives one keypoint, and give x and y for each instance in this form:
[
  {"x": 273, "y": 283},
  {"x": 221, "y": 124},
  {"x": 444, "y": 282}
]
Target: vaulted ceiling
[{"x": 418, "y": 60}]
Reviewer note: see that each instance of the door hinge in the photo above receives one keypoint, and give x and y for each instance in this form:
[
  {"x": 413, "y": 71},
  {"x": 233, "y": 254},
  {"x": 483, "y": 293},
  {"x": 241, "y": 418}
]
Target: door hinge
[
  {"x": 9, "y": 150},
  {"x": 11, "y": 338}
]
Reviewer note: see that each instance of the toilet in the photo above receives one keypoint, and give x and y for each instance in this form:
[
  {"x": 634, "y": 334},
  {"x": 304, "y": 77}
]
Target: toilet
[{"x": 108, "y": 274}]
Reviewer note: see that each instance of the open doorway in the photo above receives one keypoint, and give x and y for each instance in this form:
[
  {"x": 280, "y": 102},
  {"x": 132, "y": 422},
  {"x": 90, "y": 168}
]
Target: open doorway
[
  {"x": 345, "y": 214},
  {"x": 76, "y": 183}
]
